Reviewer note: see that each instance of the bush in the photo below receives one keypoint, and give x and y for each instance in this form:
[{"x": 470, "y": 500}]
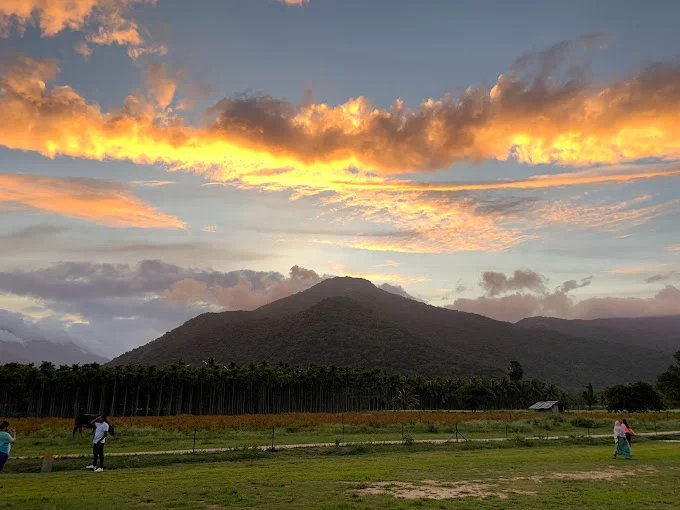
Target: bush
[
  {"x": 635, "y": 398},
  {"x": 584, "y": 423},
  {"x": 408, "y": 440}
]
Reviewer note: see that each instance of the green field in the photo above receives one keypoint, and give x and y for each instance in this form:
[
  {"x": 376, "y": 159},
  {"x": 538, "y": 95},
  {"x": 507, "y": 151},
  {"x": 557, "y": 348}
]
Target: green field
[
  {"x": 52, "y": 437},
  {"x": 515, "y": 474}
]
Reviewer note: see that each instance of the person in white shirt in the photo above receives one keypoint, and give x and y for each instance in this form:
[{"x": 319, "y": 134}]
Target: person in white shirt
[{"x": 101, "y": 430}]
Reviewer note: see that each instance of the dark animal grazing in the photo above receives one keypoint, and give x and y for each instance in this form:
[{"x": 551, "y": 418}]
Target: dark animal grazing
[{"x": 85, "y": 420}]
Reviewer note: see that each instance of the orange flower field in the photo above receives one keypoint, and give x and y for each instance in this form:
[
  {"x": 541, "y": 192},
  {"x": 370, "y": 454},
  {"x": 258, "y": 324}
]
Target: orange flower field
[{"x": 267, "y": 421}]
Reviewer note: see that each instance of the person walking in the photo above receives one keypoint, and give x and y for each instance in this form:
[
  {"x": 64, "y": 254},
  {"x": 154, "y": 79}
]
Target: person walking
[
  {"x": 628, "y": 431},
  {"x": 7, "y": 438},
  {"x": 101, "y": 430},
  {"x": 622, "y": 446}
]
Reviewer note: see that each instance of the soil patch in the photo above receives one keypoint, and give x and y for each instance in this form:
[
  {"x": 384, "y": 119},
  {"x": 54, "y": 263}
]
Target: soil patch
[
  {"x": 430, "y": 489},
  {"x": 433, "y": 489}
]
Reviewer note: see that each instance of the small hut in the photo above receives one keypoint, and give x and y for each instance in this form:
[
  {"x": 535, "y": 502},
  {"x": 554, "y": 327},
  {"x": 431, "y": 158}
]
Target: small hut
[{"x": 549, "y": 406}]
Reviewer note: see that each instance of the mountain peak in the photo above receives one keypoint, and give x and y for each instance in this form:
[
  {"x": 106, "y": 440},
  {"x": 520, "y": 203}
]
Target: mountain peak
[{"x": 349, "y": 281}]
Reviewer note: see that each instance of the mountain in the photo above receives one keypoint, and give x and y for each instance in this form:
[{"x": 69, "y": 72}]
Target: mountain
[
  {"x": 661, "y": 333},
  {"x": 37, "y": 351},
  {"x": 349, "y": 321}
]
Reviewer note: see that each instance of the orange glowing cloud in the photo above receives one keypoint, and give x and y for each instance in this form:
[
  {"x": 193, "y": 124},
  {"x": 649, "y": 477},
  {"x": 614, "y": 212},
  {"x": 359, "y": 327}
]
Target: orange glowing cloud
[
  {"x": 94, "y": 200},
  {"x": 356, "y": 151},
  {"x": 54, "y": 16},
  {"x": 106, "y": 22},
  {"x": 261, "y": 141},
  {"x": 427, "y": 224}
]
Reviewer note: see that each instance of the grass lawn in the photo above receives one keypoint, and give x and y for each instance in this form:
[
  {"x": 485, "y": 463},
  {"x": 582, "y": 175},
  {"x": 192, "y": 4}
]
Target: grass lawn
[{"x": 563, "y": 474}]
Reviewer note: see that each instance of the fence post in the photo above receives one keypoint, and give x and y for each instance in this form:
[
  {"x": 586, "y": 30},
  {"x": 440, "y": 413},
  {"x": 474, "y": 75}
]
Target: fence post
[
  {"x": 46, "y": 466},
  {"x": 506, "y": 430},
  {"x": 194, "y": 450},
  {"x": 343, "y": 428},
  {"x": 456, "y": 432},
  {"x": 656, "y": 433},
  {"x": 402, "y": 432},
  {"x": 273, "y": 439},
  {"x": 546, "y": 429}
]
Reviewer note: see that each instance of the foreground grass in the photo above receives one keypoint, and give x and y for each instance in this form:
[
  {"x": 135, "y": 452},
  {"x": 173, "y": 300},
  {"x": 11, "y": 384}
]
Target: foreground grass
[
  {"x": 559, "y": 475},
  {"x": 55, "y": 437}
]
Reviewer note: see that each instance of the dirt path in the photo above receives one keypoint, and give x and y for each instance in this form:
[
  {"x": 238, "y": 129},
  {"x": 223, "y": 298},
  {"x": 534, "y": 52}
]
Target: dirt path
[{"x": 321, "y": 445}]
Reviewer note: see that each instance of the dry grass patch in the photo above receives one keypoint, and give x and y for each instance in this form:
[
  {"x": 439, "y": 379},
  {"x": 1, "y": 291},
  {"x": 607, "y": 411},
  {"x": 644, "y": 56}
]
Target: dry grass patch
[
  {"x": 499, "y": 487},
  {"x": 430, "y": 489}
]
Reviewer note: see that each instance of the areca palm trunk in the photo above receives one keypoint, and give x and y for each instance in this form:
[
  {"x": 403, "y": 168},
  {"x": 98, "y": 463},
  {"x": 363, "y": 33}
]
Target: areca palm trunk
[{"x": 113, "y": 399}]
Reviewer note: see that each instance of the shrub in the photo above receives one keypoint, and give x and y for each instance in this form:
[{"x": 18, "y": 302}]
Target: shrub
[{"x": 585, "y": 423}]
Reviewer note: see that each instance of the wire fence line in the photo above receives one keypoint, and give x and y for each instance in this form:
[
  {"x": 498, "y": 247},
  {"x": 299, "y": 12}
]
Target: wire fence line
[{"x": 405, "y": 439}]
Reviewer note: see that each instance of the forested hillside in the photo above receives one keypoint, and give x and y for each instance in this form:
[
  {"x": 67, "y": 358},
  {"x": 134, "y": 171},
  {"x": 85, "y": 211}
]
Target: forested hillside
[{"x": 350, "y": 322}]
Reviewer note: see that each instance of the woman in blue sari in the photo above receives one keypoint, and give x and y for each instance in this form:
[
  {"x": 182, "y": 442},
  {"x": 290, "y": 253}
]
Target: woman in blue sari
[{"x": 622, "y": 446}]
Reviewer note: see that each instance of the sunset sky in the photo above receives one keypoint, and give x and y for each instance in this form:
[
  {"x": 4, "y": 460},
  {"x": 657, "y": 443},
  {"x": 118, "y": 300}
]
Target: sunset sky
[{"x": 161, "y": 159}]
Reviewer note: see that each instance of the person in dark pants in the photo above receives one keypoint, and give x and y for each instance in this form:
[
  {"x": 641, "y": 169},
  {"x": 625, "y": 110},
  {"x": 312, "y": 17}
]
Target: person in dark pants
[
  {"x": 629, "y": 432},
  {"x": 101, "y": 430},
  {"x": 7, "y": 438}
]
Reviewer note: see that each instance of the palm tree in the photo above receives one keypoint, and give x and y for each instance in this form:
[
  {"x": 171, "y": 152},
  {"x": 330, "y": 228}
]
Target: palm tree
[{"x": 405, "y": 399}]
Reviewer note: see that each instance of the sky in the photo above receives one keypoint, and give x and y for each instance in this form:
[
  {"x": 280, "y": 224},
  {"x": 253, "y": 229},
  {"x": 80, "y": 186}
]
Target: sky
[{"x": 160, "y": 159}]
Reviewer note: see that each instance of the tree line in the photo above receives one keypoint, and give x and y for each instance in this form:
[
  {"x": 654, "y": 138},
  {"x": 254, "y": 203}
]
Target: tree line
[{"x": 147, "y": 390}]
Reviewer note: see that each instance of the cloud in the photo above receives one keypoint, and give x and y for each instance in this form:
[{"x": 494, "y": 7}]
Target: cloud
[
  {"x": 498, "y": 283},
  {"x": 32, "y": 232},
  {"x": 183, "y": 250},
  {"x": 349, "y": 155},
  {"x": 106, "y": 22},
  {"x": 104, "y": 202},
  {"x": 559, "y": 304},
  {"x": 120, "y": 307},
  {"x": 536, "y": 300},
  {"x": 577, "y": 215},
  {"x": 388, "y": 263},
  {"x": 209, "y": 228},
  {"x": 673, "y": 248},
  {"x": 135, "y": 53},
  {"x": 160, "y": 84},
  {"x": 15, "y": 327},
  {"x": 628, "y": 270},
  {"x": 570, "y": 124},
  {"x": 663, "y": 276},
  {"x": 86, "y": 281},
  {"x": 570, "y": 285},
  {"x": 246, "y": 294},
  {"x": 295, "y": 2},
  {"x": 398, "y": 290},
  {"x": 81, "y": 48},
  {"x": 151, "y": 184}
]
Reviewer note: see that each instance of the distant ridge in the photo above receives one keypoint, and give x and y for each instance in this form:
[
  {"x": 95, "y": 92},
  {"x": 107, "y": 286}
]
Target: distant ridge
[
  {"x": 349, "y": 321},
  {"x": 661, "y": 333}
]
